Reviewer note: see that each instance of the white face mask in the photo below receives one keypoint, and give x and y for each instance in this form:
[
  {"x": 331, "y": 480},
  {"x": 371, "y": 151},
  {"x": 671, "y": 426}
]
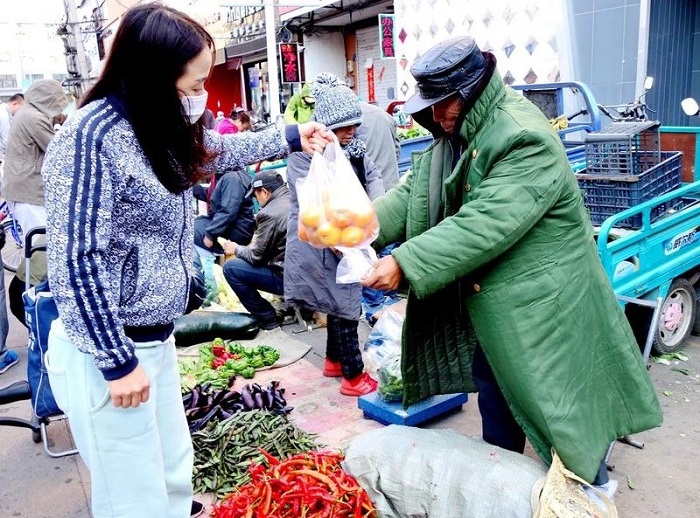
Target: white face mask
[{"x": 194, "y": 106}]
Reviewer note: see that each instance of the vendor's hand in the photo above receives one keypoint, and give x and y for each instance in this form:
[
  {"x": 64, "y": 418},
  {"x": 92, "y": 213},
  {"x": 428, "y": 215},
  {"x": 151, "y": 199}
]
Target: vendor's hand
[
  {"x": 314, "y": 136},
  {"x": 208, "y": 241},
  {"x": 230, "y": 248},
  {"x": 385, "y": 275},
  {"x": 130, "y": 390}
]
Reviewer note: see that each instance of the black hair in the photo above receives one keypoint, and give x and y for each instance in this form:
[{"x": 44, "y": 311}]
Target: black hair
[
  {"x": 152, "y": 47},
  {"x": 16, "y": 97}
]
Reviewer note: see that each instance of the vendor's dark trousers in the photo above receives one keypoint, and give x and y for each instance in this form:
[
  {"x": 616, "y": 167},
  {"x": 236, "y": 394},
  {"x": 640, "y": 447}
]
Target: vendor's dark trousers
[
  {"x": 498, "y": 426},
  {"x": 343, "y": 345},
  {"x": 246, "y": 279},
  {"x": 200, "y": 230}
]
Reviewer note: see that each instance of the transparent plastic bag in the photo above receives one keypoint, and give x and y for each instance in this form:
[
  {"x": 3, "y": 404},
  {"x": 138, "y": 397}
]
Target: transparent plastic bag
[
  {"x": 212, "y": 290},
  {"x": 334, "y": 209},
  {"x": 382, "y": 354},
  {"x": 355, "y": 264},
  {"x": 390, "y": 379}
]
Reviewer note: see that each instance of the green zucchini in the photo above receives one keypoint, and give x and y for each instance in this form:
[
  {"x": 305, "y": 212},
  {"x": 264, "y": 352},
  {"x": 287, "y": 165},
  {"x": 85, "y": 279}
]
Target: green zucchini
[{"x": 203, "y": 326}]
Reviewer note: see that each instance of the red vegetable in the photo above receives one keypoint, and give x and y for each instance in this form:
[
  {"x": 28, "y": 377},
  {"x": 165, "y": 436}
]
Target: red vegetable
[{"x": 311, "y": 485}]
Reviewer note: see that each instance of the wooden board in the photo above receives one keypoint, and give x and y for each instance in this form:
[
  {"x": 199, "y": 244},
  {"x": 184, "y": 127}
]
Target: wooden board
[{"x": 684, "y": 142}]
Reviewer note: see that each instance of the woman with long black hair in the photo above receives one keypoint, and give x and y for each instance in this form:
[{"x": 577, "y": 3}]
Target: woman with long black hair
[{"x": 118, "y": 180}]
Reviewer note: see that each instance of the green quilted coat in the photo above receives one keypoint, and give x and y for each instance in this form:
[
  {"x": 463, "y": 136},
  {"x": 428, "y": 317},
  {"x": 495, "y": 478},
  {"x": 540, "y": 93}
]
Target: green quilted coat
[{"x": 500, "y": 249}]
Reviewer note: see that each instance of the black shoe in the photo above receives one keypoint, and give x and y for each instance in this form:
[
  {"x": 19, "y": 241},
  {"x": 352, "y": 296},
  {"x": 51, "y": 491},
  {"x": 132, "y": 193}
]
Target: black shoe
[
  {"x": 269, "y": 325},
  {"x": 197, "y": 509}
]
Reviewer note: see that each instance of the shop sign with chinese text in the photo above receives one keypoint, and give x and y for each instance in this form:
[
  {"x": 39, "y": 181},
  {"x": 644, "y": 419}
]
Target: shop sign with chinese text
[
  {"x": 386, "y": 36},
  {"x": 289, "y": 62}
]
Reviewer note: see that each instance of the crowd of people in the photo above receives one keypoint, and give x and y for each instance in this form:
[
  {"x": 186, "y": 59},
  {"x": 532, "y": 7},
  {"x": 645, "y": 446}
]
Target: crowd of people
[{"x": 487, "y": 236}]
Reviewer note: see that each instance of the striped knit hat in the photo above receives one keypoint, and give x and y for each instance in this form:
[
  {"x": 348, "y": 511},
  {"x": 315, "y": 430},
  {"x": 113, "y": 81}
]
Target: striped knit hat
[{"x": 336, "y": 105}]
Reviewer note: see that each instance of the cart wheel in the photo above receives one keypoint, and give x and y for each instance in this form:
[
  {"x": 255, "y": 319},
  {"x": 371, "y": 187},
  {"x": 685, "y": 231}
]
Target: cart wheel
[
  {"x": 36, "y": 436},
  {"x": 677, "y": 317},
  {"x": 13, "y": 251}
]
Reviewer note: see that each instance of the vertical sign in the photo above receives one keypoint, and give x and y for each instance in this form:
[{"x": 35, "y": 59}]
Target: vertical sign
[
  {"x": 370, "y": 84},
  {"x": 386, "y": 36},
  {"x": 289, "y": 62}
]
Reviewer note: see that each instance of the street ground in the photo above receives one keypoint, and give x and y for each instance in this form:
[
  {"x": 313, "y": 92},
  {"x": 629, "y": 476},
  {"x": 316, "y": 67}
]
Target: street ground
[{"x": 659, "y": 480}]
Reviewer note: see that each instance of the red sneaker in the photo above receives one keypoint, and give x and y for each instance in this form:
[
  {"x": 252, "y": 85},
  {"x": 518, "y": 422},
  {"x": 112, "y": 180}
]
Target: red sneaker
[
  {"x": 332, "y": 369},
  {"x": 358, "y": 386}
]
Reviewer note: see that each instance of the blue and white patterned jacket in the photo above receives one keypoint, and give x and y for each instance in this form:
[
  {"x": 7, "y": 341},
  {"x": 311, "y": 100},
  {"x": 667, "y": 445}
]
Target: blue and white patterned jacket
[{"x": 119, "y": 242}]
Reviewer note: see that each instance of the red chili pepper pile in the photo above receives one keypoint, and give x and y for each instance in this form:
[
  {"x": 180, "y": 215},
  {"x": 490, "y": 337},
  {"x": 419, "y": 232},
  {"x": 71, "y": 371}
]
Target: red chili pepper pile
[{"x": 308, "y": 485}]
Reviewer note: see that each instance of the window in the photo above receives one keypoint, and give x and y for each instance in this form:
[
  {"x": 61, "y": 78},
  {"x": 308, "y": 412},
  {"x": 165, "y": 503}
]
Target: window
[
  {"x": 8, "y": 81},
  {"x": 28, "y": 79}
]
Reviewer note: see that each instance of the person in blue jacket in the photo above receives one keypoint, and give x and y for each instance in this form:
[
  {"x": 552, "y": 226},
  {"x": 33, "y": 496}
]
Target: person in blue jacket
[
  {"x": 118, "y": 180},
  {"x": 230, "y": 212}
]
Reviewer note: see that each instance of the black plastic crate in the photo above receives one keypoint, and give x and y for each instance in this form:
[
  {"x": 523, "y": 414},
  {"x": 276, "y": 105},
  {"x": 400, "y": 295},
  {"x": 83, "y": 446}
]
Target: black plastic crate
[
  {"x": 608, "y": 195},
  {"x": 623, "y": 148}
]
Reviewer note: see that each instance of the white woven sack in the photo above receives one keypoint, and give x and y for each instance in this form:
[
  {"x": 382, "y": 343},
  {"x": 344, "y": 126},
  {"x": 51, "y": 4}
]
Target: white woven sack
[{"x": 412, "y": 472}]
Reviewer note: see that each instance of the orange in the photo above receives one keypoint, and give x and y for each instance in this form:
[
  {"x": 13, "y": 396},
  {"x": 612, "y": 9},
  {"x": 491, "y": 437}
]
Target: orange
[
  {"x": 352, "y": 236},
  {"x": 372, "y": 226},
  {"x": 310, "y": 217},
  {"x": 328, "y": 234},
  {"x": 313, "y": 238},
  {"x": 302, "y": 233},
  {"x": 337, "y": 214},
  {"x": 364, "y": 216}
]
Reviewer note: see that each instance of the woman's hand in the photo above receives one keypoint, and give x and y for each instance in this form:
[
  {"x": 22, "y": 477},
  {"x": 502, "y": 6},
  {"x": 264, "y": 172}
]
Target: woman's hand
[
  {"x": 386, "y": 275},
  {"x": 130, "y": 390},
  {"x": 314, "y": 136},
  {"x": 207, "y": 241}
]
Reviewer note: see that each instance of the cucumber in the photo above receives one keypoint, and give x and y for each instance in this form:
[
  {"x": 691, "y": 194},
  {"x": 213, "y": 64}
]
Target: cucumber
[{"x": 203, "y": 326}]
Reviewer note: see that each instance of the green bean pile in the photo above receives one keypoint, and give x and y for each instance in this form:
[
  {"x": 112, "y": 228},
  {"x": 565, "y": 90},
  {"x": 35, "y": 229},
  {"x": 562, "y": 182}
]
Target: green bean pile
[{"x": 223, "y": 452}]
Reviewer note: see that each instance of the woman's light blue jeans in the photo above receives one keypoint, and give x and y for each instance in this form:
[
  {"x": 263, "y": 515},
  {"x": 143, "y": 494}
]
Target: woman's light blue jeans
[{"x": 140, "y": 459}]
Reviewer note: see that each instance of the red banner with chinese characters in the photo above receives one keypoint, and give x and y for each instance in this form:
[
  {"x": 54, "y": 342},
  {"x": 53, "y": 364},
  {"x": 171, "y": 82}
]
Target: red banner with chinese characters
[
  {"x": 386, "y": 36},
  {"x": 289, "y": 62},
  {"x": 370, "y": 85}
]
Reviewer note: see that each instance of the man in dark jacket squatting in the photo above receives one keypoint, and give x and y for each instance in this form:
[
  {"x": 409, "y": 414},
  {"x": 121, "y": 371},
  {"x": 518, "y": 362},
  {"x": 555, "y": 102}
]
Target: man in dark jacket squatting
[
  {"x": 259, "y": 266},
  {"x": 506, "y": 294}
]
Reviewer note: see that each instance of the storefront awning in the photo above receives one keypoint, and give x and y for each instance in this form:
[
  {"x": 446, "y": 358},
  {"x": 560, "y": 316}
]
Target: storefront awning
[
  {"x": 246, "y": 48},
  {"x": 335, "y": 15}
]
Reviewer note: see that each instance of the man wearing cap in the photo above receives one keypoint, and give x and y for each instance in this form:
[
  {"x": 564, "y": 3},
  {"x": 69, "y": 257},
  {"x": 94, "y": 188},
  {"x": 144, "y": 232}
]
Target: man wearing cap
[
  {"x": 259, "y": 265},
  {"x": 506, "y": 294}
]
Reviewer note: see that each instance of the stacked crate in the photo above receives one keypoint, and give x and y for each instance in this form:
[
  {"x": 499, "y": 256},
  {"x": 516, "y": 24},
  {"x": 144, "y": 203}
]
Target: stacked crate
[{"x": 625, "y": 167}]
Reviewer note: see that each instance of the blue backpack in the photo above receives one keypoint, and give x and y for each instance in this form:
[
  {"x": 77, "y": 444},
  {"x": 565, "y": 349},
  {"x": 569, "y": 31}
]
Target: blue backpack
[{"x": 41, "y": 311}]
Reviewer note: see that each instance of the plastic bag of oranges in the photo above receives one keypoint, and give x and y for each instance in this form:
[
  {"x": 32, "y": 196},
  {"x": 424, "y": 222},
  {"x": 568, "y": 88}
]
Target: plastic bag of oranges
[{"x": 334, "y": 209}]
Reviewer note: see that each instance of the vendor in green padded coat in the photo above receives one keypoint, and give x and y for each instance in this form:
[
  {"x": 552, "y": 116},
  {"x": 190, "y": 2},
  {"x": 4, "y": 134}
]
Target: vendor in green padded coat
[{"x": 506, "y": 293}]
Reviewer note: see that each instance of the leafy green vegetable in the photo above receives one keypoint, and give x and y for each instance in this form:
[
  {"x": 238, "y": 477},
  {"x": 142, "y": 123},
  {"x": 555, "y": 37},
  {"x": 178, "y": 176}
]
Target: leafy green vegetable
[
  {"x": 413, "y": 132},
  {"x": 219, "y": 362}
]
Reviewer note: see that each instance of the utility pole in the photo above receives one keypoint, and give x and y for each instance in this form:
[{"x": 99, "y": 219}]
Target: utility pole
[
  {"x": 76, "y": 59},
  {"x": 273, "y": 97}
]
